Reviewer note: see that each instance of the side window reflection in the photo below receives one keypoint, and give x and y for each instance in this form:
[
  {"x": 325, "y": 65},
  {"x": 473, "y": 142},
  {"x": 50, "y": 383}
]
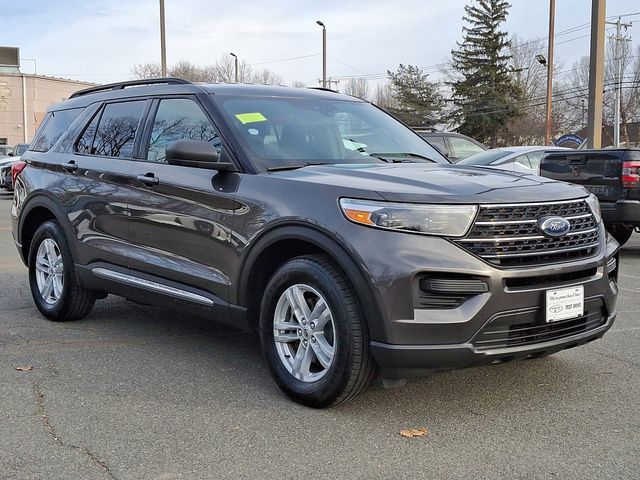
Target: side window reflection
[
  {"x": 179, "y": 119},
  {"x": 112, "y": 134}
]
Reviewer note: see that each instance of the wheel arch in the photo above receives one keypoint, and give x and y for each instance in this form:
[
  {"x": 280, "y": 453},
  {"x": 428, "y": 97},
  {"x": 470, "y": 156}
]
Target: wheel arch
[
  {"x": 284, "y": 242},
  {"x": 35, "y": 212}
]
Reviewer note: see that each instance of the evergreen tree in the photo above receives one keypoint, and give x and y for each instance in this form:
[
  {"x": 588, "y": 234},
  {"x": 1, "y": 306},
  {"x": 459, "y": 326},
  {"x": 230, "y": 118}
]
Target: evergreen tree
[
  {"x": 485, "y": 98},
  {"x": 417, "y": 101}
]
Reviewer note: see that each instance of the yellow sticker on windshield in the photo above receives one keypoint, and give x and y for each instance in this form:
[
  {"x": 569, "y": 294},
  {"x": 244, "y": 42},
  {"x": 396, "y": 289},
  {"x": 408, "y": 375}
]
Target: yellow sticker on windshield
[{"x": 251, "y": 117}]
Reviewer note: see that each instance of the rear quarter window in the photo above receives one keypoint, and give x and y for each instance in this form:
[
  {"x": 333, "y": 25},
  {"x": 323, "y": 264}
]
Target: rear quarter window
[{"x": 53, "y": 127}]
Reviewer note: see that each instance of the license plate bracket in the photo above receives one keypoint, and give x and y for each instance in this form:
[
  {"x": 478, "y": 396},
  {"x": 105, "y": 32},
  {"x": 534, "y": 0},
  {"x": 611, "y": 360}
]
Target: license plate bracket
[{"x": 564, "y": 303}]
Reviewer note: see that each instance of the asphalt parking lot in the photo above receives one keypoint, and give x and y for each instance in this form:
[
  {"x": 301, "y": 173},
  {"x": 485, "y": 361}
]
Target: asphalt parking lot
[{"x": 135, "y": 392}]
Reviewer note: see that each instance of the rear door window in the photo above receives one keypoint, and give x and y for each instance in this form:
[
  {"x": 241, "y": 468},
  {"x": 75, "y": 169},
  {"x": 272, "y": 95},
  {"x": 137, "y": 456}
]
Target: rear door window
[
  {"x": 463, "y": 148},
  {"x": 54, "y": 125},
  {"x": 438, "y": 142},
  {"x": 179, "y": 119},
  {"x": 522, "y": 160},
  {"x": 535, "y": 158},
  {"x": 112, "y": 133}
]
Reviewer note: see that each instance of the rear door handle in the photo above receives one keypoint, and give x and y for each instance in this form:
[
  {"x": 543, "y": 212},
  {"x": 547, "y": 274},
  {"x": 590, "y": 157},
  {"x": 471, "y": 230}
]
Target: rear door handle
[
  {"x": 70, "y": 167},
  {"x": 148, "y": 179}
]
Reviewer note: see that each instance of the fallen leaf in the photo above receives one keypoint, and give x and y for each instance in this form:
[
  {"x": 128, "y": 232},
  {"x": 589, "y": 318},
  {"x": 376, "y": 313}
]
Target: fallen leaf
[
  {"x": 414, "y": 432},
  {"x": 27, "y": 368}
]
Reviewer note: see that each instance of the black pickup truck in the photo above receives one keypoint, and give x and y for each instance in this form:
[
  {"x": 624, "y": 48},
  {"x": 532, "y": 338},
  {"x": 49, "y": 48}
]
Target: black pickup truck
[{"x": 613, "y": 175}]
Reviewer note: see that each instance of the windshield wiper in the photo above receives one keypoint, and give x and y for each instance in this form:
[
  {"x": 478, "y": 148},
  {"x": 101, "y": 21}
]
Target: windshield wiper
[
  {"x": 399, "y": 157},
  {"x": 295, "y": 167}
]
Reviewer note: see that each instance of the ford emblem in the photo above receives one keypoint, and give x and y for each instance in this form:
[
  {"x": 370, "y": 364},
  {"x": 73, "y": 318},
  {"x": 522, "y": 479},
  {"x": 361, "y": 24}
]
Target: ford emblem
[{"x": 554, "y": 226}]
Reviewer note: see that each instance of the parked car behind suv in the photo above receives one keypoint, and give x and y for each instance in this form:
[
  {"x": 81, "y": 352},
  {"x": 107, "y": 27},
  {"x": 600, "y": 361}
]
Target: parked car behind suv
[
  {"x": 315, "y": 218},
  {"x": 454, "y": 146},
  {"x": 521, "y": 159}
]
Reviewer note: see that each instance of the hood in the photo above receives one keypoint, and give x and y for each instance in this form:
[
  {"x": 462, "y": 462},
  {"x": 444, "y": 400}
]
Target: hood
[{"x": 438, "y": 183}]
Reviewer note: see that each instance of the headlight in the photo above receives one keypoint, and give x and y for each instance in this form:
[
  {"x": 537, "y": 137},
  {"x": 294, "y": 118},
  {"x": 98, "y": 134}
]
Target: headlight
[
  {"x": 443, "y": 220},
  {"x": 593, "y": 202}
]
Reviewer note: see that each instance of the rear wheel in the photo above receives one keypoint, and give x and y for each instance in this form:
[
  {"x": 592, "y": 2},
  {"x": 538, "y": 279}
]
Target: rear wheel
[
  {"x": 312, "y": 333},
  {"x": 622, "y": 233},
  {"x": 52, "y": 276}
]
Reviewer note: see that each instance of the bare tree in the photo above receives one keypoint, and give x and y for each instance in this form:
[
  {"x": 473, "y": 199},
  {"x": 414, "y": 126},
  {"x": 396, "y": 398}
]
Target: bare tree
[
  {"x": 146, "y": 70},
  {"x": 298, "y": 84},
  {"x": 530, "y": 77},
  {"x": 357, "y": 87},
  {"x": 384, "y": 98},
  {"x": 266, "y": 77},
  {"x": 573, "y": 90},
  {"x": 223, "y": 70}
]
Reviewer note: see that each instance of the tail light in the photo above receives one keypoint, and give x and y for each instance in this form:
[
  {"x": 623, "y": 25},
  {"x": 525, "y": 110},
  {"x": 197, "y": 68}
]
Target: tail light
[
  {"x": 631, "y": 174},
  {"x": 16, "y": 169}
]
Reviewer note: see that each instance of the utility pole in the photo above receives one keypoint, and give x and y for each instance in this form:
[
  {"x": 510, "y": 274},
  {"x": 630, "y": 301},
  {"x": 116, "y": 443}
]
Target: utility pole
[
  {"x": 163, "y": 46},
  {"x": 596, "y": 74},
  {"x": 330, "y": 81},
  {"x": 616, "y": 116},
  {"x": 552, "y": 14}
]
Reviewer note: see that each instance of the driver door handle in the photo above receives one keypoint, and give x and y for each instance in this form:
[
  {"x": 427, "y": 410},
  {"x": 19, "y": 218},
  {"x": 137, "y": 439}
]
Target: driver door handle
[
  {"x": 70, "y": 167},
  {"x": 148, "y": 179}
]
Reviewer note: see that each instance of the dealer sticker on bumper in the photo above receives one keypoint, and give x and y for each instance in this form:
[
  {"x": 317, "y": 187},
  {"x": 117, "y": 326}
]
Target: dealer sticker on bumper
[{"x": 565, "y": 303}]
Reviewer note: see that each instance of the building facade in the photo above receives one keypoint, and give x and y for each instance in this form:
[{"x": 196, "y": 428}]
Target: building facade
[{"x": 24, "y": 100}]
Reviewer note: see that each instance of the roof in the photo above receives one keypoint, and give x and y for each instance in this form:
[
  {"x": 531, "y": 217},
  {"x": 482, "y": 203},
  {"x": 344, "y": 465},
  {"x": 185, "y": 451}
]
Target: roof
[{"x": 167, "y": 86}]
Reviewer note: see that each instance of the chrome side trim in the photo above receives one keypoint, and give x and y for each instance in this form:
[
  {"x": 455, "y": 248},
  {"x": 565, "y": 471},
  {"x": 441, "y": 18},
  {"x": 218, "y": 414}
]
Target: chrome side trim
[{"x": 151, "y": 285}]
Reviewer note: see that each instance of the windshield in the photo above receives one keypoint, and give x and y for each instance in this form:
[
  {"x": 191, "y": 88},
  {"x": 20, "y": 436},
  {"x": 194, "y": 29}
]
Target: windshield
[
  {"x": 485, "y": 158},
  {"x": 282, "y": 131}
]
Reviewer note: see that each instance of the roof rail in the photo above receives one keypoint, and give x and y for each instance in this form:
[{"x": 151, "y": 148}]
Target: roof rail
[
  {"x": 324, "y": 89},
  {"x": 130, "y": 83}
]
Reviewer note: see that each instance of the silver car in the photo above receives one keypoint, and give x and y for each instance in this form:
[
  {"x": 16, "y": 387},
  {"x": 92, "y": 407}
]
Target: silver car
[{"x": 513, "y": 159}]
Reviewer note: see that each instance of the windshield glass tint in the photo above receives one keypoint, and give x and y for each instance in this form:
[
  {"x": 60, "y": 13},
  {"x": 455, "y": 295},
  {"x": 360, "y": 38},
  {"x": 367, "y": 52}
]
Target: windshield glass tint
[
  {"x": 485, "y": 158},
  {"x": 278, "y": 131}
]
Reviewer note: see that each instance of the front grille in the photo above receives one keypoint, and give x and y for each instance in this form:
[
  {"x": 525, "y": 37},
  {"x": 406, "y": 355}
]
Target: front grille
[
  {"x": 508, "y": 235},
  {"x": 527, "y": 328}
]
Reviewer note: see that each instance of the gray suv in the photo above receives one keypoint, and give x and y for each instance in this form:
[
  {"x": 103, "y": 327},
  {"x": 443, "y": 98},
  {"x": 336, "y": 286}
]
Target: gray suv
[{"x": 339, "y": 235}]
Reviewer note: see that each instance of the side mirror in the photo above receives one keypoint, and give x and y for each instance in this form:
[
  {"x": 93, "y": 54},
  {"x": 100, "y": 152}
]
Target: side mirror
[
  {"x": 198, "y": 154},
  {"x": 11, "y": 154}
]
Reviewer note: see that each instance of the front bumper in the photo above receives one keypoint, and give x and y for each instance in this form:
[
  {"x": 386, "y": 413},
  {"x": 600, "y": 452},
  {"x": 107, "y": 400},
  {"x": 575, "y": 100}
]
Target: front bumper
[
  {"x": 404, "y": 361},
  {"x": 416, "y": 341}
]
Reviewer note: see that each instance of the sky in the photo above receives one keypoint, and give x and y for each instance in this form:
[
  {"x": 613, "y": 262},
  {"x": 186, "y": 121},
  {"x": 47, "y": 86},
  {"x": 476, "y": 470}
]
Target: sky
[{"x": 100, "y": 40}]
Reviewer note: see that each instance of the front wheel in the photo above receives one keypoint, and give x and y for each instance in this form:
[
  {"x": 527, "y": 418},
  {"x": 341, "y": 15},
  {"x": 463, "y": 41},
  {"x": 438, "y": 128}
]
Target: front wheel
[
  {"x": 313, "y": 335},
  {"x": 52, "y": 276}
]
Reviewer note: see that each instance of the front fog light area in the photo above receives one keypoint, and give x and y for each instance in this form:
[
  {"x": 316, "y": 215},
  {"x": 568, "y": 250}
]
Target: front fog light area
[{"x": 428, "y": 219}]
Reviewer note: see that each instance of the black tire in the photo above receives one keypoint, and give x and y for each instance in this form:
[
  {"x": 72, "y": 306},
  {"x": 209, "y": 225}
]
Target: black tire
[
  {"x": 352, "y": 367},
  {"x": 74, "y": 302},
  {"x": 620, "y": 232}
]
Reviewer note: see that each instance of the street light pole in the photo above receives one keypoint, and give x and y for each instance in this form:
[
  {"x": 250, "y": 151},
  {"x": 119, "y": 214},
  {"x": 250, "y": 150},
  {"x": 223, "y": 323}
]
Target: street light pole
[
  {"x": 324, "y": 54},
  {"x": 552, "y": 14},
  {"x": 235, "y": 57},
  {"x": 163, "y": 46}
]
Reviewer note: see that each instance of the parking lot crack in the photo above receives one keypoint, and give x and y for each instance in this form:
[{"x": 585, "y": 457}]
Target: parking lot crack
[{"x": 51, "y": 431}]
